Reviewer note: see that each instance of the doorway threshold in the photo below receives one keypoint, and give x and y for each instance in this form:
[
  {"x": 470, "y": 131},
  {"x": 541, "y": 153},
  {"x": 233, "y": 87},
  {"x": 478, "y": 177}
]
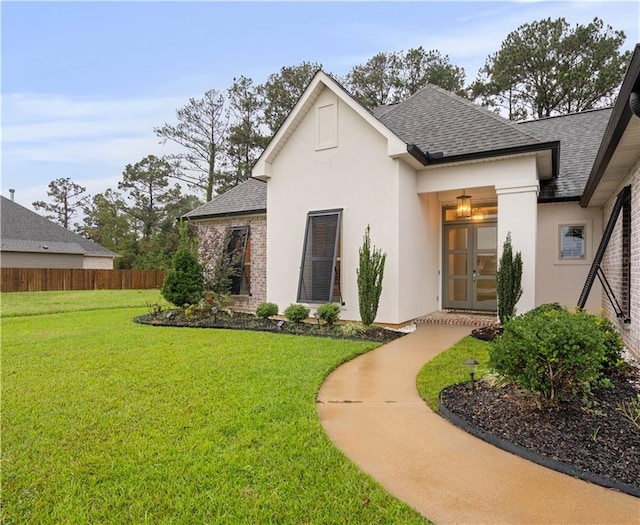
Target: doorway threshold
[{"x": 460, "y": 317}]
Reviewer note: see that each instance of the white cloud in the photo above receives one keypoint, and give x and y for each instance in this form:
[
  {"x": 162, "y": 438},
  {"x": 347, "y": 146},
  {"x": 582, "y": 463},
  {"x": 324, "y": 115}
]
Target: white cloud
[{"x": 89, "y": 140}]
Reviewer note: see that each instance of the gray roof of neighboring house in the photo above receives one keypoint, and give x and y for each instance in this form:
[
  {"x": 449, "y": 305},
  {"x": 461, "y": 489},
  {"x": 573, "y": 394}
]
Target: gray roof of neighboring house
[
  {"x": 244, "y": 199},
  {"x": 22, "y": 230},
  {"x": 580, "y": 135},
  {"x": 438, "y": 121}
]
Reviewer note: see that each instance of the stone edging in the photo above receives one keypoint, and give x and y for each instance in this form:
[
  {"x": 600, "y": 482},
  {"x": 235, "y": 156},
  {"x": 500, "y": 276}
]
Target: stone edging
[{"x": 533, "y": 456}]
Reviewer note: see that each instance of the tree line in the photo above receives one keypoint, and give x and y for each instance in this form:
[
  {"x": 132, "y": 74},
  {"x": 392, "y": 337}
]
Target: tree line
[{"x": 544, "y": 68}]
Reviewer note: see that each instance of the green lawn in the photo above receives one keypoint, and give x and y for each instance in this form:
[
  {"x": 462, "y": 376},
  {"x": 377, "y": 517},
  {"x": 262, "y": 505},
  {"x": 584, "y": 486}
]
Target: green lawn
[
  {"x": 37, "y": 303},
  {"x": 447, "y": 368},
  {"x": 106, "y": 421}
]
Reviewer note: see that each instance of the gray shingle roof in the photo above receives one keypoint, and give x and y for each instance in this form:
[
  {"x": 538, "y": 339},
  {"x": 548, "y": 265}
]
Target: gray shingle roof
[
  {"x": 580, "y": 135},
  {"x": 22, "y": 230},
  {"x": 438, "y": 121},
  {"x": 246, "y": 198}
]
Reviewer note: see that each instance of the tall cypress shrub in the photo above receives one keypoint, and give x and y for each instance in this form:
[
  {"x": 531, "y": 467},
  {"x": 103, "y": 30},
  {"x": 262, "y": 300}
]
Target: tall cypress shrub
[
  {"x": 370, "y": 274},
  {"x": 508, "y": 281},
  {"x": 184, "y": 283}
]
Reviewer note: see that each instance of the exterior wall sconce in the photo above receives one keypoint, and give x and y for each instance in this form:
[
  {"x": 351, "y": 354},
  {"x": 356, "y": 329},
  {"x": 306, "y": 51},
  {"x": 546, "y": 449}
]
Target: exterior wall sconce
[
  {"x": 472, "y": 366},
  {"x": 463, "y": 206}
]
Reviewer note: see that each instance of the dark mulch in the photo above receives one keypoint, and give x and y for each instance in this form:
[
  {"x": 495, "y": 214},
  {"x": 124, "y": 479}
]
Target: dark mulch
[
  {"x": 588, "y": 435},
  {"x": 246, "y": 321},
  {"x": 487, "y": 333}
]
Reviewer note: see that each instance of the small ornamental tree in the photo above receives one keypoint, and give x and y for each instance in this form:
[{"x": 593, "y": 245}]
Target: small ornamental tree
[
  {"x": 508, "y": 281},
  {"x": 184, "y": 283},
  {"x": 370, "y": 274}
]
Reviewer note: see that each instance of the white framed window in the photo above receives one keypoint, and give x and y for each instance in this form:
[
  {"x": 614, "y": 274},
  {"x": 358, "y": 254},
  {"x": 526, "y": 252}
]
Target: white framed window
[
  {"x": 573, "y": 238},
  {"x": 573, "y": 242},
  {"x": 320, "y": 268}
]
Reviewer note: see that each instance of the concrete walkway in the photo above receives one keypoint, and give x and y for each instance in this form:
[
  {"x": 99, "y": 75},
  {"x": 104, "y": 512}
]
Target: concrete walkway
[{"x": 370, "y": 409}]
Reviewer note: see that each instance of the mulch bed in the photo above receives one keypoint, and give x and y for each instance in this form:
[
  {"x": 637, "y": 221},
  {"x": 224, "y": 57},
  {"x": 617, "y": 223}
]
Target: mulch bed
[
  {"x": 587, "y": 438},
  {"x": 246, "y": 321}
]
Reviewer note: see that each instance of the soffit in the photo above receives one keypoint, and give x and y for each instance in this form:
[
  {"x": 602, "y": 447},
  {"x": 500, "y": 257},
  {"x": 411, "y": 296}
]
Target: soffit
[{"x": 623, "y": 159}]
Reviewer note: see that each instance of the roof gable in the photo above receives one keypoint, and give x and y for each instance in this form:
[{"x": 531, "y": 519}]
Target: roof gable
[
  {"x": 23, "y": 230},
  {"x": 321, "y": 81}
]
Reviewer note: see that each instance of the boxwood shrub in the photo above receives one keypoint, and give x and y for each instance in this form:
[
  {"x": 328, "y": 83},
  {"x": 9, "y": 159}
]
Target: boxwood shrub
[
  {"x": 296, "y": 313},
  {"x": 266, "y": 310},
  {"x": 551, "y": 352},
  {"x": 329, "y": 313}
]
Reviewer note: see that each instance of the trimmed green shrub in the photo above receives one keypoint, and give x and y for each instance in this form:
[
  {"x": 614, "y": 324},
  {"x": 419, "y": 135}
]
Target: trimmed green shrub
[
  {"x": 329, "y": 313},
  {"x": 551, "y": 352},
  {"x": 184, "y": 283},
  {"x": 613, "y": 345},
  {"x": 296, "y": 313},
  {"x": 266, "y": 310},
  {"x": 508, "y": 281},
  {"x": 370, "y": 273}
]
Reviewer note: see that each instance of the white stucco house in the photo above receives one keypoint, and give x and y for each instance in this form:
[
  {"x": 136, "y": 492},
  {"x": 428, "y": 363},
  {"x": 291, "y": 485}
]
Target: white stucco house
[{"x": 441, "y": 182}]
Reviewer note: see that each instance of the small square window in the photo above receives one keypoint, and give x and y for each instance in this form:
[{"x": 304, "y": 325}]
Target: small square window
[{"x": 572, "y": 241}]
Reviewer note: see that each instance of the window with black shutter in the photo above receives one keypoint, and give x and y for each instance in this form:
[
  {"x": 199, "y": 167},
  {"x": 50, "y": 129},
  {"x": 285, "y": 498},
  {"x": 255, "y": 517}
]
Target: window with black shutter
[
  {"x": 238, "y": 248},
  {"x": 320, "y": 269}
]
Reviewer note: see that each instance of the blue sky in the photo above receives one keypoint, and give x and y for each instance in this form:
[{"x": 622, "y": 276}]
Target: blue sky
[{"x": 84, "y": 83}]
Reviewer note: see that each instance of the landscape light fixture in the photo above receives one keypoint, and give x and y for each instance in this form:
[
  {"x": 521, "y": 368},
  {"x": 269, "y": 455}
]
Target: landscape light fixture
[
  {"x": 280, "y": 324},
  {"x": 463, "y": 206},
  {"x": 472, "y": 366}
]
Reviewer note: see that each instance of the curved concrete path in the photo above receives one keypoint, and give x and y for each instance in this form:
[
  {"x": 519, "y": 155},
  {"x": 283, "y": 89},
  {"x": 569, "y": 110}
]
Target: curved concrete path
[{"x": 370, "y": 409}]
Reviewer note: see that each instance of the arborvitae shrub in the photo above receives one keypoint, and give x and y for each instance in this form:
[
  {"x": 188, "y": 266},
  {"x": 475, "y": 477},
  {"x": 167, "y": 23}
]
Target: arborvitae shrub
[
  {"x": 508, "y": 281},
  {"x": 184, "y": 283},
  {"x": 370, "y": 273}
]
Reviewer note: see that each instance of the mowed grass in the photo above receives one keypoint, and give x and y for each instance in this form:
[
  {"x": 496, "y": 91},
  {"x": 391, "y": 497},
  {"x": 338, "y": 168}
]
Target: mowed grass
[
  {"x": 37, "y": 303},
  {"x": 447, "y": 368},
  {"x": 106, "y": 421}
]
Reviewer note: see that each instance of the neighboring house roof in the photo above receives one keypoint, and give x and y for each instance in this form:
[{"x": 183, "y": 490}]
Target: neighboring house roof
[
  {"x": 579, "y": 135},
  {"x": 247, "y": 198},
  {"x": 621, "y": 142},
  {"x": 22, "y": 230}
]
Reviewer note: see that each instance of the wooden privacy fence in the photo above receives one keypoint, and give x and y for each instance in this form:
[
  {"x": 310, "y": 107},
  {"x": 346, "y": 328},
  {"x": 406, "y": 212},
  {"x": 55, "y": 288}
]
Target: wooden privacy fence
[{"x": 52, "y": 279}]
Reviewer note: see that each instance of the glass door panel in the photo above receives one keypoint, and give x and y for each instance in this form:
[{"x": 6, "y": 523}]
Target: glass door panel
[
  {"x": 469, "y": 266},
  {"x": 486, "y": 264}
]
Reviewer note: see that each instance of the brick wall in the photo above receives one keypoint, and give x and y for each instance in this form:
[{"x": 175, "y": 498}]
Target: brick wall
[
  {"x": 212, "y": 229},
  {"x": 613, "y": 264}
]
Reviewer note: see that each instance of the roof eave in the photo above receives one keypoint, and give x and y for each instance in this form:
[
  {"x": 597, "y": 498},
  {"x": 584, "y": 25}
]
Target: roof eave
[
  {"x": 260, "y": 211},
  {"x": 435, "y": 159},
  {"x": 618, "y": 121}
]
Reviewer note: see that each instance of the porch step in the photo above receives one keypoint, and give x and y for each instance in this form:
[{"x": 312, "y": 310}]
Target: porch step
[{"x": 459, "y": 317}]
